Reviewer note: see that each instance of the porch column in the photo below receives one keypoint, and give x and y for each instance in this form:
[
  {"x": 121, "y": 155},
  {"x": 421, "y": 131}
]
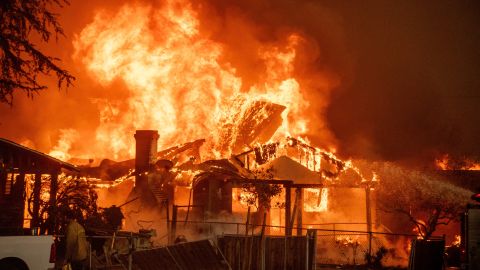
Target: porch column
[
  {"x": 36, "y": 200},
  {"x": 288, "y": 209},
  {"x": 299, "y": 193},
  {"x": 53, "y": 202}
]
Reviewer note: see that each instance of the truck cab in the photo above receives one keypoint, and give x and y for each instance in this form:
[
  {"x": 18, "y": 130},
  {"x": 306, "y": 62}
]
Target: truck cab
[{"x": 27, "y": 252}]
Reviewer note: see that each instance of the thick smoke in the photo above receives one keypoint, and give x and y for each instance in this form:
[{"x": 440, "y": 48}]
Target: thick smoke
[
  {"x": 408, "y": 73},
  {"x": 415, "y": 93},
  {"x": 322, "y": 63}
]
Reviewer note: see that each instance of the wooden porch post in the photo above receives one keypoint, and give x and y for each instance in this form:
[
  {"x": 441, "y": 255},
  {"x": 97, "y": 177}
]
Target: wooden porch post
[
  {"x": 299, "y": 193},
  {"x": 288, "y": 209},
  {"x": 3, "y": 176},
  {"x": 36, "y": 200},
  {"x": 369, "y": 223},
  {"x": 20, "y": 198},
  {"x": 53, "y": 202}
]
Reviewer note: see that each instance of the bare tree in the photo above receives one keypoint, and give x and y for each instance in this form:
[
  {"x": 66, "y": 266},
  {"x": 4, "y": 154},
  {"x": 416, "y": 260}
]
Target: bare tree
[
  {"x": 20, "y": 60},
  {"x": 426, "y": 200}
]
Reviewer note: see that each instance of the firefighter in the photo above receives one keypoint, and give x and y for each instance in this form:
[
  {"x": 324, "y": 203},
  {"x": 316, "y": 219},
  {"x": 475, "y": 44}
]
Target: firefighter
[{"x": 76, "y": 243}]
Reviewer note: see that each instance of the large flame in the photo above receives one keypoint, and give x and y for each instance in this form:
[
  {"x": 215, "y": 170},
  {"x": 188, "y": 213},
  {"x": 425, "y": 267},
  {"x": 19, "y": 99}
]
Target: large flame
[
  {"x": 316, "y": 200},
  {"x": 177, "y": 82}
]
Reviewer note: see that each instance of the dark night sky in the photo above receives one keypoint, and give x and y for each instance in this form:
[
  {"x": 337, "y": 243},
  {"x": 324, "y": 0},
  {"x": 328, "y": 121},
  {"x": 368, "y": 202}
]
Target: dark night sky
[{"x": 415, "y": 86}]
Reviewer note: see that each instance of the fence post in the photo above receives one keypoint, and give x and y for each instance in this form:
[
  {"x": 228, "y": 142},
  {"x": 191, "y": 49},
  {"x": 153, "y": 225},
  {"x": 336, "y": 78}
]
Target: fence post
[
  {"x": 248, "y": 220},
  {"x": 130, "y": 252},
  {"x": 312, "y": 248},
  {"x": 168, "y": 220},
  {"x": 369, "y": 224},
  {"x": 173, "y": 230},
  {"x": 262, "y": 242}
]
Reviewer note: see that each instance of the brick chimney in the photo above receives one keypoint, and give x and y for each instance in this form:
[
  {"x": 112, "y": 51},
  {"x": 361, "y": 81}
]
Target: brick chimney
[{"x": 145, "y": 154}]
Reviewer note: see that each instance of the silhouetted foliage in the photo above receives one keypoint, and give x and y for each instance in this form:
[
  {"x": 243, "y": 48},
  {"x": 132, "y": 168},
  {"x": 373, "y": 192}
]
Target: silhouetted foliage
[
  {"x": 376, "y": 259},
  {"x": 21, "y": 62},
  {"x": 260, "y": 194},
  {"x": 73, "y": 194},
  {"x": 426, "y": 200}
]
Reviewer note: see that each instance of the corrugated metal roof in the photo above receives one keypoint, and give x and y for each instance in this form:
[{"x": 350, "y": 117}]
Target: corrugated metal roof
[{"x": 191, "y": 255}]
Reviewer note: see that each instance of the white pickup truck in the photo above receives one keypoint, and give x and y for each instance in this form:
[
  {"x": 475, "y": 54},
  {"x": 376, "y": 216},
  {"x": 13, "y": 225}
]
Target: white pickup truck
[{"x": 27, "y": 252}]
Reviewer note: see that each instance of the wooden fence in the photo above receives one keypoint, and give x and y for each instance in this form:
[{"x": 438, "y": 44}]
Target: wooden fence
[{"x": 268, "y": 252}]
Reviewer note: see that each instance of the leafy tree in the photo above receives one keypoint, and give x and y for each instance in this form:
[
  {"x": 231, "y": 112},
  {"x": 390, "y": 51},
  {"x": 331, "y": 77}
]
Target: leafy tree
[
  {"x": 21, "y": 62},
  {"x": 260, "y": 193},
  {"x": 426, "y": 200}
]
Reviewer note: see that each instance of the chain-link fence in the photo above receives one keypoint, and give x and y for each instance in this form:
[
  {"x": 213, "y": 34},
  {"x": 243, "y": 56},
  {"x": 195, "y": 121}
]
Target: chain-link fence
[{"x": 353, "y": 248}]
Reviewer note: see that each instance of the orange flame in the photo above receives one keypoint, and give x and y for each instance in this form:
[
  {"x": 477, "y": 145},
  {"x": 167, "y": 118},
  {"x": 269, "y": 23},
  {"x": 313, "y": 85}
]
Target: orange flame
[
  {"x": 315, "y": 200},
  {"x": 457, "y": 241},
  {"x": 64, "y": 144},
  {"x": 176, "y": 80}
]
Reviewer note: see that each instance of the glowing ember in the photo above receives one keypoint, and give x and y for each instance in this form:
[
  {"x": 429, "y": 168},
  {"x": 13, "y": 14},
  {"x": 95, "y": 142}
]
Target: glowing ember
[
  {"x": 417, "y": 231},
  {"x": 445, "y": 163},
  {"x": 457, "y": 241},
  {"x": 243, "y": 198},
  {"x": 348, "y": 240},
  {"x": 442, "y": 163}
]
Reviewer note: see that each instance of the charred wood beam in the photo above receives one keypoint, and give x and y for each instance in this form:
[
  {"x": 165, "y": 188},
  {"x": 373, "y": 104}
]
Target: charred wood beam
[
  {"x": 302, "y": 186},
  {"x": 239, "y": 182},
  {"x": 173, "y": 151}
]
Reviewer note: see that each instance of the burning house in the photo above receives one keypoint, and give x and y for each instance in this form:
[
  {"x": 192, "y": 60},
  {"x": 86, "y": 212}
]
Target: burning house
[
  {"x": 215, "y": 188},
  {"x": 227, "y": 117}
]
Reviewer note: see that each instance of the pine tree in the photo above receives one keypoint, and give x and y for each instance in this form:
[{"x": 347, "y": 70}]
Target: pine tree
[{"x": 21, "y": 62}]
